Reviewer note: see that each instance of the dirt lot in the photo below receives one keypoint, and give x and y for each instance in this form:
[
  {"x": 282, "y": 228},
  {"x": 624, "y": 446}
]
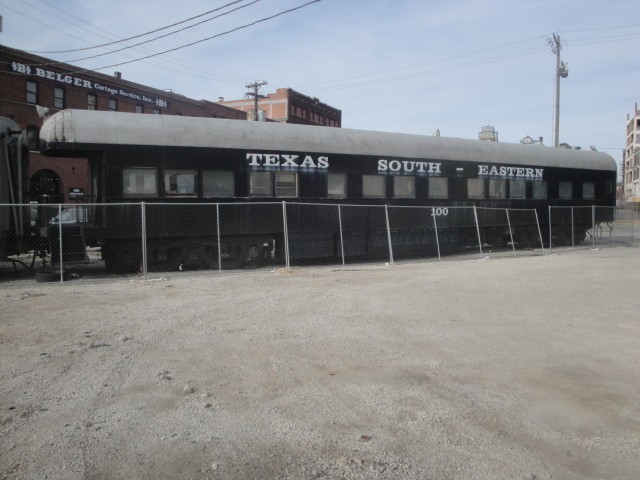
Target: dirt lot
[{"x": 521, "y": 368}]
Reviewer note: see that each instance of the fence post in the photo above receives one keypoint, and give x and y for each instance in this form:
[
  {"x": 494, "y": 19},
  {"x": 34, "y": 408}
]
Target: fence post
[
  {"x": 143, "y": 214},
  {"x": 593, "y": 226},
  {"x": 341, "y": 239},
  {"x": 549, "y": 228},
  {"x": 435, "y": 225},
  {"x": 475, "y": 214},
  {"x": 60, "y": 242},
  {"x": 513, "y": 245},
  {"x": 286, "y": 235},
  {"x": 633, "y": 217},
  {"x": 540, "y": 232},
  {"x": 573, "y": 235},
  {"x": 218, "y": 239},
  {"x": 386, "y": 213}
]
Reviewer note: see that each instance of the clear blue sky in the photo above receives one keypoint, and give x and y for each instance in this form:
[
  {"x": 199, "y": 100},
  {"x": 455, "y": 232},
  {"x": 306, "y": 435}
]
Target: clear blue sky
[{"x": 409, "y": 66}]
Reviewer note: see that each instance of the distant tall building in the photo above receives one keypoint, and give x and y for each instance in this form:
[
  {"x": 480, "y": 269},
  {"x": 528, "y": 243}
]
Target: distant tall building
[
  {"x": 288, "y": 106},
  {"x": 632, "y": 158},
  {"x": 488, "y": 134}
]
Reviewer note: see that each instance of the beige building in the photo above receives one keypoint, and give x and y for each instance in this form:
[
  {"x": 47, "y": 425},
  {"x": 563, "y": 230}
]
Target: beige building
[{"x": 632, "y": 159}]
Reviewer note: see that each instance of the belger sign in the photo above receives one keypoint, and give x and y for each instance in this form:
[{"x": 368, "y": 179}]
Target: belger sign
[{"x": 84, "y": 83}]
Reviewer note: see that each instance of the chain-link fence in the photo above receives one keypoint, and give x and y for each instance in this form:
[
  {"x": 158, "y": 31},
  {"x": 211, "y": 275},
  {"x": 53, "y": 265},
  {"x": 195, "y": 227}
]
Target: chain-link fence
[
  {"x": 58, "y": 241},
  {"x": 592, "y": 227}
]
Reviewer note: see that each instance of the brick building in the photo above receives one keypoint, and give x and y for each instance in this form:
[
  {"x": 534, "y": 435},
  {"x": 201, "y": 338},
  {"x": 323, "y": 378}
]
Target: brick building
[
  {"x": 288, "y": 106},
  {"x": 28, "y": 81},
  {"x": 631, "y": 165}
]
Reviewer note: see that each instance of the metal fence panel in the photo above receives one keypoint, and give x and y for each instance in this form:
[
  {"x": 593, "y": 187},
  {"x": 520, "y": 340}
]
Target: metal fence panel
[
  {"x": 626, "y": 227},
  {"x": 364, "y": 233},
  {"x": 181, "y": 236},
  {"x": 582, "y": 226},
  {"x": 251, "y": 235},
  {"x": 314, "y": 234},
  {"x": 412, "y": 232}
]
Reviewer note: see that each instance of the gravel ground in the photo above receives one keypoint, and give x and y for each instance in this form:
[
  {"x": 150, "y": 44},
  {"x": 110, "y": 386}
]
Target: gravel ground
[{"x": 521, "y": 368}]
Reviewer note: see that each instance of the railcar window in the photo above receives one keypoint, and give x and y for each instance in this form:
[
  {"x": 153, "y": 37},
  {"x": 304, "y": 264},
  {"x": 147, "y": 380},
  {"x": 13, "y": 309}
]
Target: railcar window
[
  {"x": 438, "y": 187},
  {"x": 373, "y": 186},
  {"x": 497, "y": 188},
  {"x": 139, "y": 181},
  {"x": 404, "y": 187},
  {"x": 180, "y": 182},
  {"x": 217, "y": 183},
  {"x": 517, "y": 189},
  {"x": 475, "y": 188},
  {"x": 260, "y": 184},
  {"x": 588, "y": 191},
  {"x": 286, "y": 184},
  {"x": 337, "y": 185},
  {"x": 565, "y": 191},
  {"x": 539, "y": 190}
]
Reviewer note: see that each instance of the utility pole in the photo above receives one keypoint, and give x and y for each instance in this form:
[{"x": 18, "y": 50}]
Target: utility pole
[
  {"x": 255, "y": 86},
  {"x": 561, "y": 71}
]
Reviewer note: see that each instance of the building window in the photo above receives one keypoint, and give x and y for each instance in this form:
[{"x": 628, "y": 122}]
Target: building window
[
  {"x": 58, "y": 98},
  {"x": 588, "y": 191},
  {"x": 539, "y": 190},
  {"x": 217, "y": 183},
  {"x": 92, "y": 102},
  {"x": 32, "y": 92},
  {"x": 113, "y": 105},
  {"x": 179, "y": 182},
  {"x": 404, "y": 187},
  {"x": 497, "y": 188},
  {"x": 260, "y": 184},
  {"x": 517, "y": 189},
  {"x": 139, "y": 182},
  {"x": 156, "y": 111},
  {"x": 373, "y": 186},
  {"x": 565, "y": 191},
  {"x": 286, "y": 184},
  {"x": 438, "y": 187},
  {"x": 139, "y": 109},
  {"x": 337, "y": 185},
  {"x": 475, "y": 188}
]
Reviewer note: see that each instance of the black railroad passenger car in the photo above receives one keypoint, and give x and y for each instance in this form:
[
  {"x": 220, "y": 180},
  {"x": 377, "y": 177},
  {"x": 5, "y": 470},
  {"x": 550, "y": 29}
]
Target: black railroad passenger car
[{"x": 173, "y": 159}]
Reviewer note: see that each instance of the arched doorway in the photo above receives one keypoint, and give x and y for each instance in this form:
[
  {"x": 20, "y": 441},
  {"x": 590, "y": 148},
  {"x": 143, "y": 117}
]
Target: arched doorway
[{"x": 45, "y": 187}]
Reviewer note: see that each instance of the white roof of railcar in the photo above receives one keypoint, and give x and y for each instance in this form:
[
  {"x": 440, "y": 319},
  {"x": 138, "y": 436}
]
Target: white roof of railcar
[{"x": 118, "y": 128}]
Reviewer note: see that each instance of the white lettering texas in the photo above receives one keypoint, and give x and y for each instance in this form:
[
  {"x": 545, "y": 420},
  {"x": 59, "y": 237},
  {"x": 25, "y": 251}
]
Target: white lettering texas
[
  {"x": 286, "y": 161},
  {"x": 504, "y": 171}
]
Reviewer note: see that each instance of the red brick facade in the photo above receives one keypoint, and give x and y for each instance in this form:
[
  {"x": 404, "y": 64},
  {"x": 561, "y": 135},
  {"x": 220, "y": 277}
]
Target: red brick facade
[
  {"x": 288, "y": 106},
  {"x": 28, "y": 80}
]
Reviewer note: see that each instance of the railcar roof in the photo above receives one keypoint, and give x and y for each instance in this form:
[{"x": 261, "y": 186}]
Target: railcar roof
[{"x": 86, "y": 127}]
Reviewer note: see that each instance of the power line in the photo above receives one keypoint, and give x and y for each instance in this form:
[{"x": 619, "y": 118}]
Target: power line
[
  {"x": 161, "y": 36},
  {"x": 152, "y": 31},
  {"x": 211, "y": 37}
]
